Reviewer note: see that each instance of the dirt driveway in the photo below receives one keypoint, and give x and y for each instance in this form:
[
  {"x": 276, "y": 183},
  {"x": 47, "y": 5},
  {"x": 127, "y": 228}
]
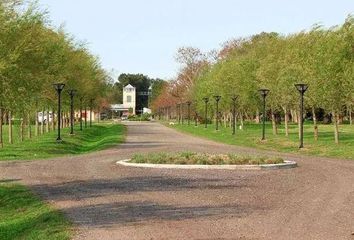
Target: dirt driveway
[{"x": 107, "y": 201}]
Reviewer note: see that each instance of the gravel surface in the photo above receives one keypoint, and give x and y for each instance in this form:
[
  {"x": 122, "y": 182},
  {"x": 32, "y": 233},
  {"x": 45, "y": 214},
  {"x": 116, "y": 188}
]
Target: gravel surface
[{"x": 108, "y": 201}]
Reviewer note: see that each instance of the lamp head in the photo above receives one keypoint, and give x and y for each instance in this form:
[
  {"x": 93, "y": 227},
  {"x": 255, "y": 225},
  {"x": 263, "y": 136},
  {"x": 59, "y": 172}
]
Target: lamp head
[
  {"x": 72, "y": 92},
  {"x": 206, "y": 99},
  {"x": 301, "y": 87},
  {"x": 217, "y": 97},
  {"x": 264, "y": 92},
  {"x": 59, "y": 86},
  {"x": 234, "y": 98}
]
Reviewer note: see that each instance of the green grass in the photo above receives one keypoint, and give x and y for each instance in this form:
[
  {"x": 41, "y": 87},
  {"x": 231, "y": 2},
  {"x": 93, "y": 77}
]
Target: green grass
[
  {"x": 25, "y": 216},
  {"x": 251, "y": 134},
  {"x": 98, "y": 137},
  {"x": 192, "y": 158}
]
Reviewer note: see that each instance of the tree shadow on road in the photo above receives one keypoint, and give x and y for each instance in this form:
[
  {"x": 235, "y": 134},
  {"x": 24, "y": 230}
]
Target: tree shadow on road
[
  {"x": 131, "y": 213},
  {"x": 77, "y": 190}
]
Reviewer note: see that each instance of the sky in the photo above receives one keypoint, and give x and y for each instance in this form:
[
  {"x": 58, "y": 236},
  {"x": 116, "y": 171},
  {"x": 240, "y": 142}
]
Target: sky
[{"x": 142, "y": 36}]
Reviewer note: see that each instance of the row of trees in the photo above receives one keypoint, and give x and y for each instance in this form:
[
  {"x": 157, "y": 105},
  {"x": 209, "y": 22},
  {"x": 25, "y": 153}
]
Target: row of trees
[
  {"x": 322, "y": 58},
  {"x": 33, "y": 56}
]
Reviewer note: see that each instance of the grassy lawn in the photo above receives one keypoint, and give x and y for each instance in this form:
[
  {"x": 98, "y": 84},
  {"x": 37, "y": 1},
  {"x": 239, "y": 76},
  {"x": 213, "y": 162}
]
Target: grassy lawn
[
  {"x": 251, "y": 134},
  {"x": 25, "y": 216},
  {"x": 98, "y": 137}
]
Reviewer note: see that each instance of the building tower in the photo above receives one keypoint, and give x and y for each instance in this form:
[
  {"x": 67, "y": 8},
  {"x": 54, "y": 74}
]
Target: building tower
[{"x": 129, "y": 97}]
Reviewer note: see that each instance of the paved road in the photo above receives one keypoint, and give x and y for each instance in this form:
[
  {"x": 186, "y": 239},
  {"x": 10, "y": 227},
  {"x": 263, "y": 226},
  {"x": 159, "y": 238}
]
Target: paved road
[{"x": 107, "y": 201}]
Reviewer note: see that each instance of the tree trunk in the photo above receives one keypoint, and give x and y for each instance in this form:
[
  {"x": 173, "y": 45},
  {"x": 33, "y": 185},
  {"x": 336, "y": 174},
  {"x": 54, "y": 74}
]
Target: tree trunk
[
  {"x": 258, "y": 119},
  {"x": 350, "y": 116},
  {"x": 53, "y": 120},
  {"x": 29, "y": 126},
  {"x": 241, "y": 119},
  {"x": 47, "y": 122},
  {"x": 1, "y": 133},
  {"x": 336, "y": 128},
  {"x": 36, "y": 131},
  {"x": 42, "y": 123},
  {"x": 6, "y": 121},
  {"x": 65, "y": 120},
  {"x": 274, "y": 124},
  {"x": 21, "y": 130},
  {"x": 315, "y": 127},
  {"x": 298, "y": 123},
  {"x": 295, "y": 117},
  {"x": 286, "y": 120},
  {"x": 9, "y": 115}
]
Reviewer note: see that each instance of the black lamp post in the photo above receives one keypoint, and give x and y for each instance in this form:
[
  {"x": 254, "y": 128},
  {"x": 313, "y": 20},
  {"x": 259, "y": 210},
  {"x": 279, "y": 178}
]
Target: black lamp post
[
  {"x": 189, "y": 112},
  {"x": 91, "y": 107},
  {"x": 81, "y": 99},
  {"x": 196, "y": 119},
  {"x": 217, "y": 99},
  {"x": 206, "y": 100},
  {"x": 264, "y": 93},
  {"x": 301, "y": 87},
  {"x": 234, "y": 99},
  {"x": 72, "y": 93},
  {"x": 59, "y": 87}
]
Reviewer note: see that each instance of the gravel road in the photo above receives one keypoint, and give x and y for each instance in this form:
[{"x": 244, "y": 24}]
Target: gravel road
[{"x": 107, "y": 201}]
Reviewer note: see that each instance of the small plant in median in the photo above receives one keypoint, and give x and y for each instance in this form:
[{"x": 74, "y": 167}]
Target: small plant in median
[{"x": 192, "y": 158}]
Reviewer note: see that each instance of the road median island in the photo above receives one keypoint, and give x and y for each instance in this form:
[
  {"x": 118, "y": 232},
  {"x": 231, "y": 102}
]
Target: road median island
[{"x": 189, "y": 160}]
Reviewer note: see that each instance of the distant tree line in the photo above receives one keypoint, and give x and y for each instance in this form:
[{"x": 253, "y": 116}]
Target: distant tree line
[{"x": 322, "y": 58}]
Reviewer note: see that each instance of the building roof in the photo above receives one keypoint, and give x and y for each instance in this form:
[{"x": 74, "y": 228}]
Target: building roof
[
  {"x": 118, "y": 107},
  {"x": 129, "y": 86}
]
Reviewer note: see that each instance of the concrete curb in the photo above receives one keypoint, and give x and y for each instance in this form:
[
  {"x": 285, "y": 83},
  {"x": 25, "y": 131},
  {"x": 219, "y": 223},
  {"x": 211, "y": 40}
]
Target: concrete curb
[{"x": 286, "y": 165}]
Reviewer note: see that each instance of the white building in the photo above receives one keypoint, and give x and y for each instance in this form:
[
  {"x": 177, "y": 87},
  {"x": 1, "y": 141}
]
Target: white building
[
  {"x": 129, "y": 97},
  {"x": 129, "y": 102}
]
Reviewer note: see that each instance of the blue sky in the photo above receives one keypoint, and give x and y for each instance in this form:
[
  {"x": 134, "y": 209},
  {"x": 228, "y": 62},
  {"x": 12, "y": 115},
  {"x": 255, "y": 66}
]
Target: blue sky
[{"x": 140, "y": 36}]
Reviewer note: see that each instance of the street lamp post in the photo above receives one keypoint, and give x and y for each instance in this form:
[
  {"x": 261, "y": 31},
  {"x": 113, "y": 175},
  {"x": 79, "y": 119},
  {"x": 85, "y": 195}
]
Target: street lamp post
[
  {"x": 217, "y": 99},
  {"x": 72, "y": 93},
  {"x": 301, "y": 87},
  {"x": 81, "y": 99},
  {"x": 59, "y": 88},
  {"x": 91, "y": 108},
  {"x": 206, "y": 100},
  {"x": 264, "y": 93},
  {"x": 234, "y": 99},
  {"x": 196, "y": 119},
  {"x": 189, "y": 112}
]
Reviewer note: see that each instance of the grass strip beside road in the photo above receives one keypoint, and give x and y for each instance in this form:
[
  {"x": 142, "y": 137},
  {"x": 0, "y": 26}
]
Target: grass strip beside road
[
  {"x": 24, "y": 216},
  {"x": 95, "y": 138},
  {"x": 250, "y": 136}
]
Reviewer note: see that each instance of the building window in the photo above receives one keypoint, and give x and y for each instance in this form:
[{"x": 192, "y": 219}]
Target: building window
[{"x": 129, "y": 99}]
